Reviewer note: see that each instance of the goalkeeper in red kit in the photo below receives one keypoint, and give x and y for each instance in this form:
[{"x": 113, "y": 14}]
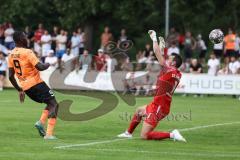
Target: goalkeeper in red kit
[{"x": 159, "y": 108}]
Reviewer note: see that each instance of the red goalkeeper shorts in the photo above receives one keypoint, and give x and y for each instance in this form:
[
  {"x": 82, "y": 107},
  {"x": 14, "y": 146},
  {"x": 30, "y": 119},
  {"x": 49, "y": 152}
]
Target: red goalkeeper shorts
[{"x": 156, "y": 112}]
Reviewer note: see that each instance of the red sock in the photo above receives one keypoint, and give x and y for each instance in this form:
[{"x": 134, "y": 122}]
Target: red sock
[
  {"x": 134, "y": 123},
  {"x": 158, "y": 135}
]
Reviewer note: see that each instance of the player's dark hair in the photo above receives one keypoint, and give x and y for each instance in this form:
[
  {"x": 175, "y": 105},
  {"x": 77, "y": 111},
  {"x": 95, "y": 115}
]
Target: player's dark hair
[
  {"x": 17, "y": 37},
  {"x": 178, "y": 59}
]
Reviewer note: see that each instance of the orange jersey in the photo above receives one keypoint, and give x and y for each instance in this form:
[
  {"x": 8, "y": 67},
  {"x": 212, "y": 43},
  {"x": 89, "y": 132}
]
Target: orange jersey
[
  {"x": 23, "y": 61},
  {"x": 230, "y": 41}
]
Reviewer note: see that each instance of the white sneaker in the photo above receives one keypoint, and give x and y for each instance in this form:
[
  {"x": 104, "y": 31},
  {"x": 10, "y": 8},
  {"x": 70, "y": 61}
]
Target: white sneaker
[
  {"x": 126, "y": 134},
  {"x": 50, "y": 137},
  {"x": 177, "y": 136}
]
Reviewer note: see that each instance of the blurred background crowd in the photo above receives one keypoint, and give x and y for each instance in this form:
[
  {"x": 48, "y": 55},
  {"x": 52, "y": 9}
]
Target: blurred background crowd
[{"x": 57, "y": 46}]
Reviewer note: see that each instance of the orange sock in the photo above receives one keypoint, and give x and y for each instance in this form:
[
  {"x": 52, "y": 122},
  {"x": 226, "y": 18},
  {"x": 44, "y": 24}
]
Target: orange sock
[
  {"x": 51, "y": 125},
  {"x": 44, "y": 116}
]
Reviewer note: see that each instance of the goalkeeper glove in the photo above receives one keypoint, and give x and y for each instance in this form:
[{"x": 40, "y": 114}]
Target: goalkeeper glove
[{"x": 152, "y": 35}]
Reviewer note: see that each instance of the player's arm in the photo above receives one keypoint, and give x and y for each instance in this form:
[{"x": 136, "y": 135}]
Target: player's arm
[
  {"x": 157, "y": 50},
  {"x": 36, "y": 63},
  {"x": 13, "y": 80},
  {"x": 15, "y": 84},
  {"x": 41, "y": 66}
]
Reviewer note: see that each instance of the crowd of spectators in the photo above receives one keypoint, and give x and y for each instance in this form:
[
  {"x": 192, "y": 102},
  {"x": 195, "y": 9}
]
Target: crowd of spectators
[
  {"x": 223, "y": 57},
  {"x": 57, "y": 47}
]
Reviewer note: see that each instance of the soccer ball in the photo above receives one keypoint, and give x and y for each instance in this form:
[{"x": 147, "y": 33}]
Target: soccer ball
[{"x": 216, "y": 36}]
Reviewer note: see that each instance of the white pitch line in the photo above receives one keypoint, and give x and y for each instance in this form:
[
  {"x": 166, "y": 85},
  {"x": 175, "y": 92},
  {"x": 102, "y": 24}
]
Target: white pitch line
[
  {"x": 116, "y": 140},
  {"x": 208, "y": 126},
  {"x": 88, "y": 144}
]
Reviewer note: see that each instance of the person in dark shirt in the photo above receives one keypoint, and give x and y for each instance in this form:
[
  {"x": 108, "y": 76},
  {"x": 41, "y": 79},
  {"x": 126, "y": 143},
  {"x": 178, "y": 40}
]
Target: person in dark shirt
[{"x": 195, "y": 67}]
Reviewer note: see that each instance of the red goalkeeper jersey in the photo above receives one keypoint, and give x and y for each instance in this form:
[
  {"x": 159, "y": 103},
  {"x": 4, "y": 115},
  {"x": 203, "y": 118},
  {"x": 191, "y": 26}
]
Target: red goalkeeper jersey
[{"x": 167, "y": 82}]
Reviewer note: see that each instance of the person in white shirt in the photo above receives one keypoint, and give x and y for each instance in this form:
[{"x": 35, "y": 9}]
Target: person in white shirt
[
  {"x": 201, "y": 48},
  {"x": 51, "y": 59},
  {"x": 111, "y": 63},
  {"x": 218, "y": 50},
  {"x": 67, "y": 56},
  {"x": 75, "y": 44},
  {"x": 81, "y": 36},
  {"x": 3, "y": 69},
  {"x": 234, "y": 65},
  {"x": 61, "y": 41},
  {"x": 237, "y": 44},
  {"x": 8, "y": 33},
  {"x": 123, "y": 36},
  {"x": 173, "y": 49},
  {"x": 46, "y": 41},
  {"x": 213, "y": 65}
]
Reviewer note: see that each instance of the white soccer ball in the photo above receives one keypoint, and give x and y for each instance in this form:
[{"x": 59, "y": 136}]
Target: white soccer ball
[{"x": 216, "y": 36}]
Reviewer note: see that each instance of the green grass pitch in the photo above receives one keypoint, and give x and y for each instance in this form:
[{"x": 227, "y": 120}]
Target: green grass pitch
[{"x": 19, "y": 139}]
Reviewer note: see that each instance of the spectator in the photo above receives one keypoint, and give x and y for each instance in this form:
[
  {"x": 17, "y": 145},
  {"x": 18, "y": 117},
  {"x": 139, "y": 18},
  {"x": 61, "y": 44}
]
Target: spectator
[
  {"x": 201, "y": 48},
  {"x": 218, "y": 50},
  {"x": 237, "y": 45},
  {"x": 225, "y": 69},
  {"x": 85, "y": 60},
  {"x": 29, "y": 35},
  {"x": 151, "y": 57},
  {"x": 51, "y": 59},
  {"x": 4, "y": 50},
  {"x": 75, "y": 44},
  {"x": 127, "y": 65},
  {"x": 147, "y": 50},
  {"x": 67, "y": 56},
  {"x": 68, "y": 43},
  {"x": 61, "y": 41},
  {"x": 8, "y": 33},
  {"x": 111, "y": 63},
  {"x": 100, "y": 61},
  {"x": 123, "y": 36},
  {"x": 153, "y": 66},
  {"x": 82, "y": 39},
  {"x": 185, "y": 67},
  {"x": 229, "y": 43},
  {"x": 195, "y": 67},
  {"x": 46, "y": 41},
  {"x": 234, "y": 65},
  {"x": 2, "y": 35},
  {"x": 173, "y": 49},
  {"x": 54, "y": 36},
  {"x": 129, "y": 84},
  {"x": 181, "y": 39},
  {"x": 189, "y": 45},
  {"x": 106, "y": 37},
  {"x": 3, "y": 69},
  {"x": 140, "y": 57},
  {"x": 213, "y": 65},
  {"x": 172, "y": 37},
  {"x": 37, "y": 39},
  {"x": 145, "y": 84}
]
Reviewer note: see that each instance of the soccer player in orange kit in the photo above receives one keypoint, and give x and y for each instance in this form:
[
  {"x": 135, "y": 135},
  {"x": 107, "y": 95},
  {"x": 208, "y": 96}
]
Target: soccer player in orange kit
[{"x": 24, "y": 64}]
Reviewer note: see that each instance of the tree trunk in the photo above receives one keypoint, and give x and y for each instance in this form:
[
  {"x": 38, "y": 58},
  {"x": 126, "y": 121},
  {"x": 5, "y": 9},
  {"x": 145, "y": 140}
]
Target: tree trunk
[{"x": 88, "y": 29}]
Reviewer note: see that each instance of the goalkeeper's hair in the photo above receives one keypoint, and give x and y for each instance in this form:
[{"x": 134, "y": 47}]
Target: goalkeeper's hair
[{"x": 178, "y": 59}]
